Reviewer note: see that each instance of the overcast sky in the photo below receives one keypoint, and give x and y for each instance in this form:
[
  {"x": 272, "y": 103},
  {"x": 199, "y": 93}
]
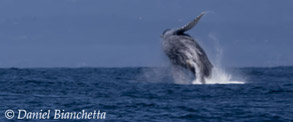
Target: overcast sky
[{"x": 111, "y": 33}]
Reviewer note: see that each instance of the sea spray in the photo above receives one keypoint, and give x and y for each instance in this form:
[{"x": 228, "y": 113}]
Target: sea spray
[{"x": 219, "y": 76}]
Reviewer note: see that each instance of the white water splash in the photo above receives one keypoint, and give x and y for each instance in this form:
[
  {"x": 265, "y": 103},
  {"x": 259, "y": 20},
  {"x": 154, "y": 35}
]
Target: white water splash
[{"x": 219, "y": 76}]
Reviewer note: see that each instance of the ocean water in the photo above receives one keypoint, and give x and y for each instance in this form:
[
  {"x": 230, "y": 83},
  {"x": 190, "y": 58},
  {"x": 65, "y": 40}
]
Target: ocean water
[{"x": 147, "y": 94}]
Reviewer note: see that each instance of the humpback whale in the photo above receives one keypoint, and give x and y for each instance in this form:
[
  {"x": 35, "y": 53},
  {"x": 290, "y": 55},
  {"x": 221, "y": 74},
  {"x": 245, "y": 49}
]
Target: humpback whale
[{"x": 184, "y": 51}]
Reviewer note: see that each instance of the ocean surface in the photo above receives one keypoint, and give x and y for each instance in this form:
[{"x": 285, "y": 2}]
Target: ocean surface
[{"x": 147, "y": 94}]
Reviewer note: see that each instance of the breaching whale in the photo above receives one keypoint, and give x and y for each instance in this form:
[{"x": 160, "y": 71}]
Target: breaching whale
[{"x": 184, "y": 51}]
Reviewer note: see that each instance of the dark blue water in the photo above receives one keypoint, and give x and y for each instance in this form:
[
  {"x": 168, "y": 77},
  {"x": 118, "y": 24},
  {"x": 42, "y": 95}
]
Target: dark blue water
[{"x": 148, "y": 94}]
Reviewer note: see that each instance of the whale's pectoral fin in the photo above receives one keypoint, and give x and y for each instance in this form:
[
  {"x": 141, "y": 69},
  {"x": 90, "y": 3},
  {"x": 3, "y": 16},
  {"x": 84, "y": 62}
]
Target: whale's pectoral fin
[{"x": 190, "y": 24}]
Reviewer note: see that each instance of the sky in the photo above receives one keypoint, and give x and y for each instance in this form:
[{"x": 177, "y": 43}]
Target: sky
[{"x": 112, "y": 33}]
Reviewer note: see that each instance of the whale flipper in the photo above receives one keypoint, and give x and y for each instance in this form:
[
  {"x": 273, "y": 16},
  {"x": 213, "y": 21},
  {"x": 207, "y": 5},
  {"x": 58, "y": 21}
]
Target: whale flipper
[{"x": 190, "y": 25}]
